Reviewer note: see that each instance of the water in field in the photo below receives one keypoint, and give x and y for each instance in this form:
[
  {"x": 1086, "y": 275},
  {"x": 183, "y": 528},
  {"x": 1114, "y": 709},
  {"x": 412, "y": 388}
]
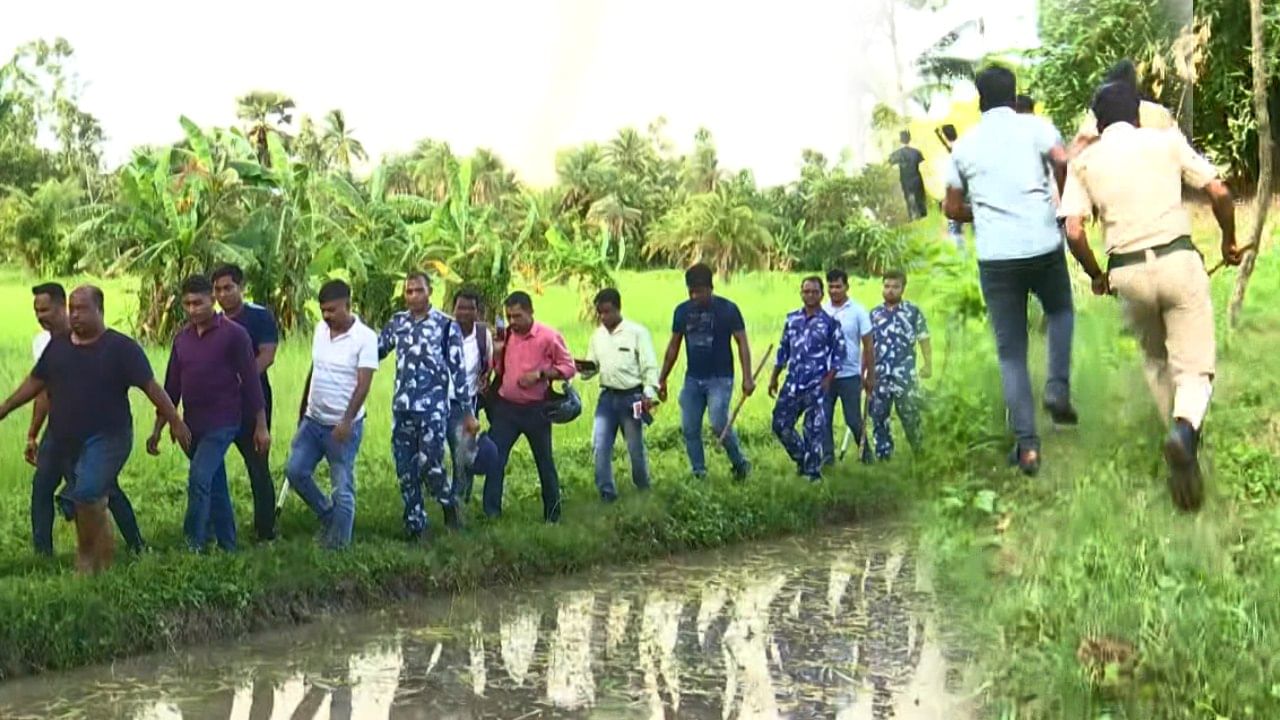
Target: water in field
[{"x": 835, "y": 625}]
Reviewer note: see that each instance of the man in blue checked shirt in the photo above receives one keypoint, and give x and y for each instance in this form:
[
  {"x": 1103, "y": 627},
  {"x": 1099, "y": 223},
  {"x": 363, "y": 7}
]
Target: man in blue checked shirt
[
  {"x": 811, "y": 350},
  {"x": 429, "y": 356},
  {"x": 896, "y": 327}
]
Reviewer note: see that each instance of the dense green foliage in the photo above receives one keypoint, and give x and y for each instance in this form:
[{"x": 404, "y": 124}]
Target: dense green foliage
[
  {"x": 1082, "y": 38},
  {"x": 290, "y": 208}
]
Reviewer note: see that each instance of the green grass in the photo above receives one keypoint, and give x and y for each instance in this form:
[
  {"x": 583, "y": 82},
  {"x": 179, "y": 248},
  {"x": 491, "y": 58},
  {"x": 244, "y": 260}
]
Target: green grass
[
  {"x": 50, "y": 618},
  {"x": 1093, "y": 552}
]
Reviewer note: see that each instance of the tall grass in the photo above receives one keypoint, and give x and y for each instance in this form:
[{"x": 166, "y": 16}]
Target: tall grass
[{"x": 1089, "y": 595}]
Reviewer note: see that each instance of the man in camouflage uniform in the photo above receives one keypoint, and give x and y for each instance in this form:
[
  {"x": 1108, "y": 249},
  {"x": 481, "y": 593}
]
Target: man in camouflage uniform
[
  {"x": 428, "y": 347},
  {"x": 896, "y": 327},
  {"x": 812, "y": 348}
]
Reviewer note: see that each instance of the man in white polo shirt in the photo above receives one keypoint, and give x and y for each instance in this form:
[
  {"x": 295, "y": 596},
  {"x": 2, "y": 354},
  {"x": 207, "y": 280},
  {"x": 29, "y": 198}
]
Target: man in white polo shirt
[{"x": 344, "y": 355}]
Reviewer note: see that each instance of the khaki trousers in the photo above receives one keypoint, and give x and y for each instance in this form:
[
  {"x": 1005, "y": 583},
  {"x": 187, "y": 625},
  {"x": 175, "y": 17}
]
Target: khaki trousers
[{"x": 1168, "y": 306}]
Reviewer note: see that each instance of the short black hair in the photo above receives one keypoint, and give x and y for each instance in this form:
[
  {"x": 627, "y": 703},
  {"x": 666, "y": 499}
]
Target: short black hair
[
  {"x": 519, "y": 299},
  {"x": 896, "y": 274},
  {"x": 467, "y": 294},
  {"x": 417, "y": 275},
  {"x": 609, "y": 295},
  {"x": 905, "y": 136},
  {"x": 699, "y": 276},
  {"x": 334, "y": 290},
  {"x": 837, "y": 275},
  {"x": 95, "y": 294},
  {"x": 812, "y": 279},
  {"x": 1116, "y": 102},
  {"x": 1122, "y": 72},
  {"x": 949, "y": 132},
  {"x": 997, "y": 87},
  {"x": 235, "y": 272},
  {"x": 197, "y": 285},
  {"x": 1024, "y": 104},
  {"x": 54, "y": 290}
]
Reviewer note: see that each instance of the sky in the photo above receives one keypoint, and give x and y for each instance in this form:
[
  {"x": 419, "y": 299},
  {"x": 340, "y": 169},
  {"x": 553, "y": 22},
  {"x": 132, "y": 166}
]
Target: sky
[{"x": 525, "y": 78}]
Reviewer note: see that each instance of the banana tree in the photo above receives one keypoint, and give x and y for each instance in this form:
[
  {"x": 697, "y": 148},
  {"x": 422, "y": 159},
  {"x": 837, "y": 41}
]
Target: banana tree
[
  {"x": 174, "y": 210},
  {"x": 464, "y": 239}
]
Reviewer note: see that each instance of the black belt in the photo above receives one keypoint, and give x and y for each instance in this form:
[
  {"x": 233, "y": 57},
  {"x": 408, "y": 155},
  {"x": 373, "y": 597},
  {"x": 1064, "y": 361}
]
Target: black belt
[
  {"x": 1120, "y": 260},
  {"x": 639, "y": 389}
]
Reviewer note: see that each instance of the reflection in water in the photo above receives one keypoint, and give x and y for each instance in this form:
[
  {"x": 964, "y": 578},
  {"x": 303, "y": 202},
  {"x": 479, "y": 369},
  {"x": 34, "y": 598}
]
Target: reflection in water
[{"x": 836, "y": 625}]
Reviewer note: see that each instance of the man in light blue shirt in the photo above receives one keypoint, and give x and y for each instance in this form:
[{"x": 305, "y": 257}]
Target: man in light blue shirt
[
  {"x": 999, "y": 179},
  {"x": 857, "y": 367}
]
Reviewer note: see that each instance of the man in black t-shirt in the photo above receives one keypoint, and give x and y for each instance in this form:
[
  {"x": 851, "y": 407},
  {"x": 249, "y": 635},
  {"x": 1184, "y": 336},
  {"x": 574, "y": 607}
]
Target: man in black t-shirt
[
  {"x": 228, "y": 290},
  {"x": 908, "y": 160},
  {"x": 706, "y": 324},
  {"x": 87, "y": 375}
]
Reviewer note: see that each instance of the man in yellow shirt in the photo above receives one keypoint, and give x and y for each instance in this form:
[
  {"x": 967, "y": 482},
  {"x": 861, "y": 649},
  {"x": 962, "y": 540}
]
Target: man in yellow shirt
[
  {"x": 622, "y": 353},
  {"x": 1134, "y": 178}
]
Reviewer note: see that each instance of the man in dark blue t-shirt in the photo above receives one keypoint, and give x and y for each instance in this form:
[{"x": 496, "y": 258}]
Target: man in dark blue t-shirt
[
  {"x": 228, "y": 290},
  {"x": 705, "y": 323},
  {"x": 87, "y": 375}
]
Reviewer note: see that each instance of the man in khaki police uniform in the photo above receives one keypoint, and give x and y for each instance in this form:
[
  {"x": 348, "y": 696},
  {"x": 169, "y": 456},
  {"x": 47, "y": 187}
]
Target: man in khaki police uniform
[{"x": 1134, "y": 178}]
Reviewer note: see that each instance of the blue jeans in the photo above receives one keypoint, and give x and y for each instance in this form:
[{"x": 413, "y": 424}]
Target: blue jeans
[
  {"x": 54, "y": 461},
  {"x": 507, "y": 422},
  {"x": 312, "y": 443},
  {"x": 849, "y": 392},
  {"x": 208, "y": 499},
  {"x": 708, "y": 395},
  {"x": 1006, "y": 285},
  {"x": 613, "y": 412}
]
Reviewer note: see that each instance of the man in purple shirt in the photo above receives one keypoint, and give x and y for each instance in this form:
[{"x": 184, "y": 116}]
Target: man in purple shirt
[{"x": 212, "y": 372}]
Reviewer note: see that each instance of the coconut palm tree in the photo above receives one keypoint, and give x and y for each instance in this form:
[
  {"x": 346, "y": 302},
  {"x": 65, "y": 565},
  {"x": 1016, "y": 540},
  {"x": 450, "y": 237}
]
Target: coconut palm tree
[
  {"x": 339, "y": 146},
  {"x": 718, "y": 228},
  {"x": 264, "y": 111},
  {"x": 617, "y": 223}
]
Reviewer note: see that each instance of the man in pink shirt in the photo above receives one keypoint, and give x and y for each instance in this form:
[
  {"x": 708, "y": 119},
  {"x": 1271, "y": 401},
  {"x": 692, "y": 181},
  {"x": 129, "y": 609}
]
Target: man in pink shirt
[{"x": 526, "y": 360}]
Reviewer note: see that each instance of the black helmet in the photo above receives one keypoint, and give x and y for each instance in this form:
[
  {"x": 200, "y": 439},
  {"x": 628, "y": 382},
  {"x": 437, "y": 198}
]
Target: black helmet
[{"x": 563, "y": 407}]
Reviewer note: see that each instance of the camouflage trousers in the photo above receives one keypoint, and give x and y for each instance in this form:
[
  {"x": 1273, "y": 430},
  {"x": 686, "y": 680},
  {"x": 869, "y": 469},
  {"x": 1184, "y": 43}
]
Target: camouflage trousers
[
  {"x": 418, "y": 446},
  {"x": 806, "y": 451},
  {"x": 884, "y": 397}
]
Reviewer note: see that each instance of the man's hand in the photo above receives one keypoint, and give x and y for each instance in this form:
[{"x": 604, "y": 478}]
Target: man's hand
[
  {"x": 342, "y": 431},
  {"x": 180, "y": 434},
  {"x": 1101, "y": 284},
  {"x": 470, "y": 425},
  {"x": 662, "y": 391},
  {"x": 773, "y": 388},
  {"x": 748, "y": 386},
  {"x": 926, "y": 372},
  {"x": 529, "y": 379},
  {"x": 153, "y": 444},
  {"x": 826, "y": 383},
  {"x": 1231, "y": 253},
  {"x": 868, "y": 380},
  {"x": 261, "y": 440},
  {"x": 33, "y": 448}
]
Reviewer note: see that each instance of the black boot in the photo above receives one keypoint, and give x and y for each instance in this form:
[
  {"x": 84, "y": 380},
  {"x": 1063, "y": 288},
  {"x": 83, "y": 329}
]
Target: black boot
[{"x": 1181, "y": 450}]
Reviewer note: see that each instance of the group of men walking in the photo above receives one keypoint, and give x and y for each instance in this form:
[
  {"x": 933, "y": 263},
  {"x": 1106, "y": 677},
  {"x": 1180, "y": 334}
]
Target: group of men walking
[{"x": 448, "y": 368}]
